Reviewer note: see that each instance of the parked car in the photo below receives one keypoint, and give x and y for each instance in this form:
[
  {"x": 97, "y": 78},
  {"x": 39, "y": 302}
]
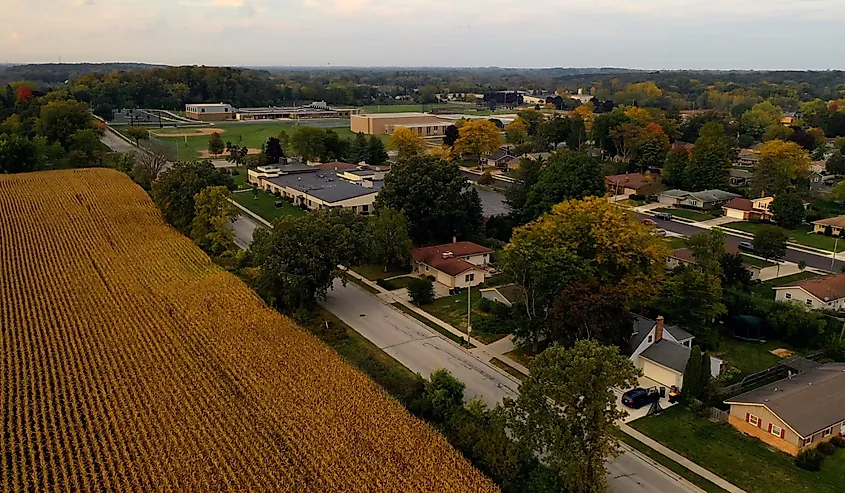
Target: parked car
[
  {"x": 746, "y": 246},
  {"x": 649, "y": 222},
  {"x": 639, "y": 397},
  {"x": 663, "y": 215},
  {"x": 659, "y": 232}
]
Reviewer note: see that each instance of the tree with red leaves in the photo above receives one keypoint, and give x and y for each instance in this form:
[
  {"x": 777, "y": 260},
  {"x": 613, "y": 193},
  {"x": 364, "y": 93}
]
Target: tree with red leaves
[{"x": 24, "y": 94}]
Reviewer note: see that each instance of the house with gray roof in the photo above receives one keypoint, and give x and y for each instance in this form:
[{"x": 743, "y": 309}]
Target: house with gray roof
[
  {"x": 705, "y": 199},
  {"x": 796, "y": 413},
  {"x": 661, "y": 351}
]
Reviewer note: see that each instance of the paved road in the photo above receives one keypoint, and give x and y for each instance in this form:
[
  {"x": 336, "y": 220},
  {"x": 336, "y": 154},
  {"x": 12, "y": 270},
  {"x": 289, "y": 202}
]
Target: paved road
[
  {"x": 115, "y": 143},
  {"x": 418, "y": 348},
  {"x": 817, "y": 261},
  {"x": 492, "y": 202},
  {"x": 244, "y": 227},
  {"x": 502, "y": 184}
]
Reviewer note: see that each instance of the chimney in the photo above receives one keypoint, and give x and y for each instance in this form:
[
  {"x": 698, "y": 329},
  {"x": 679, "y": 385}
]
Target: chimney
[
  {"x": 454, "y": 239},
  {"x": 658, "y": 329}
]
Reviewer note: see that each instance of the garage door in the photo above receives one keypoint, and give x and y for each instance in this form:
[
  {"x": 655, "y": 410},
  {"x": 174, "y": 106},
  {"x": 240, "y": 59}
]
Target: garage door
[{"x": 660, "y": 374}]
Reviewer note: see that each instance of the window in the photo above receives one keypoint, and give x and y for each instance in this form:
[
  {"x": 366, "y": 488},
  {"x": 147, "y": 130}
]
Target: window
[
  {"x": 826, "y": 433},
  {"x": 469, "y": 277},
  {"x": 754, "y": 420},
  {"x": 788, "y": 296},
  {"x": 650, "y": 338},
  {"x": 809, "y": 302},
  {"x": 776, "y": 430},
  {"x": 365, "y": 208}
]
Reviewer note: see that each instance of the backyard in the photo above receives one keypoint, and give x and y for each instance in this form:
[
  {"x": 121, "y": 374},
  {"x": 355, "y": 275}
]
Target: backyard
[
  {"x": 264, "y": 205},
  {"x": 749, "y": 357},
  {"x": 746, "y": 462}
]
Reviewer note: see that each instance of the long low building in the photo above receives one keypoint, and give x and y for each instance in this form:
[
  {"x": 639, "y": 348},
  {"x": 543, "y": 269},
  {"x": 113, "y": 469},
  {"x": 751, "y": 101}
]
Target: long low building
[
  {"x": 223, "y": 111},
  {"x": 210, "y": 112},
  {"x": 312, "y": 188},
  {"x": 386, "y": 123}
]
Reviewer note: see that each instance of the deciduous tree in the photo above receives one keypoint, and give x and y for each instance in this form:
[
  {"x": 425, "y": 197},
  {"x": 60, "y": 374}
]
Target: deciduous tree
[
  {"x": 780, "y": 163},
  {"x": 588, "y": 310},
  {"x": 516, "y": 132},
  {"x": 451, "y": 135},
  {"x": 708, "y": 247},
  {"x": 175, "y": 189},
  {"x": 60, "y": 119},
  {"x": 710, "y": 160},
  {"x": 390, "y": 244},
  {"x": 691, "y": 297},
  {"x": 406, "y": 142},
  {"x": 760, "y": 117},
  {"x": 477, "y": 138},
  {"x": 211, "y": 228},
  {"x": 568, "y": 175},
  {"x": 137, "y": 134},
  {"x": 770, "y": 242},
  {"x": 435, "y": 197},
  {"x": 788, "y": 210},
  {"x": 566, "y": 411}
]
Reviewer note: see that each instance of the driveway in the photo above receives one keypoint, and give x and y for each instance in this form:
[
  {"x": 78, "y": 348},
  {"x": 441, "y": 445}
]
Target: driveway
[{"x": 415, "y": 345}]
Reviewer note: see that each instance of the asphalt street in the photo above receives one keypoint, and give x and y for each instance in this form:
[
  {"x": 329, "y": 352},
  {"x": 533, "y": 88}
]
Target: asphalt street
[
  {"x": 492, "y": 202},
  {"x": 115, "y": 143},
  {"x": 817, "y": 261},
  {"x": 423, "y": 351},
  {"x": 244, "y": 227}
]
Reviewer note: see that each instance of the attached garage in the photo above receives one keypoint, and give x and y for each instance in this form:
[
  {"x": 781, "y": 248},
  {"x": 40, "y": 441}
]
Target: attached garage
[{"x": 662, "y": 375}]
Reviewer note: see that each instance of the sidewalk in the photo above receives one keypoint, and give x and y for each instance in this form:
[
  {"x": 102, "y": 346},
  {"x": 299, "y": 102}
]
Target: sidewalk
[
  {"x": 252, "y": 214},
  {"x": 680, "y": 459}
]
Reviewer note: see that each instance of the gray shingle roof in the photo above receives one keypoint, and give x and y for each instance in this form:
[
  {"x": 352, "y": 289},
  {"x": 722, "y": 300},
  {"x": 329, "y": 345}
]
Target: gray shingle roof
[
  {"x": 808, "y": 402},
  {"x": 678, "y": 333},
  {"x": 325, "y": 186},
  {"x": 643, "y": 325},
  {"x": 669, "y": 354}
]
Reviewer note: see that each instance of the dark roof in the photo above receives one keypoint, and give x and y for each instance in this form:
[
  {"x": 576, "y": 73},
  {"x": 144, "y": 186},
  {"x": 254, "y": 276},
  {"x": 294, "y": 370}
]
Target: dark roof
[
  {"x": 826, "y": 288},
  {"x": 669, "y": 354},
  {"x": 739, "y": 204},
  {"x": 335, "y": 165},
  {"x": 451, "y": 266},
  {"x": 325, "y": 186},
  {"x": 296, "y": 167},
  {"x": 678, "y": 333},
  {"x": 643, "y": 325},
  {"x": 628, "y": 180},
  {"x": 808, "y": 402},
  {"x": 500, "y": 156},
  {"x": 510, "y": 292}
]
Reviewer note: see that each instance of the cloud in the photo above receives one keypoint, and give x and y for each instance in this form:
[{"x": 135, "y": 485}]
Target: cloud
[{"x": 15, "y": 36}]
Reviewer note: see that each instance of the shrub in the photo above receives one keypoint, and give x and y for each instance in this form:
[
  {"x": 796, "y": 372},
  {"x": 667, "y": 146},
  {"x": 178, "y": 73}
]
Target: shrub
[
  {"x": 636, "y": 197},
  {"x": 421, "y": 291},
  {"x": 838, "y": 442},
  {"x": 828, "y": 231},
  {"x": 809, "y": 460},
  {"x": 485, "y": 305},
  {"x": 836, "y": 351},
  {"x": 826, "y": 448},
  {"x": 386, "y": 284},
  {"x": 486, "y": 178}
]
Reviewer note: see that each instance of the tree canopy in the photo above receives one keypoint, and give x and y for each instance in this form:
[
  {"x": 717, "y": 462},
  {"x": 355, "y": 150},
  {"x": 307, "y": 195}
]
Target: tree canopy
[
  {"x": 174, "y": 190},
  {"x": 567, "y": 175}
]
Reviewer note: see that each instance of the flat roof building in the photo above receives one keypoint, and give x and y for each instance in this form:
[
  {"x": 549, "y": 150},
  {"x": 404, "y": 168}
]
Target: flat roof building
[
  {"x": 210, "y": 112},
  {"x": 386, "y": 123}
]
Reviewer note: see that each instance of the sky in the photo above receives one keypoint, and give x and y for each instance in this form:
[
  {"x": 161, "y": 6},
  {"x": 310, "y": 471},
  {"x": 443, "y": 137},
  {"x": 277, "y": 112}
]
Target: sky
[{"x": 647, "y": 34}]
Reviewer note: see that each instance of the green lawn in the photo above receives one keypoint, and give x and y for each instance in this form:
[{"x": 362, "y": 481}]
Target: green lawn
[
  {"x": 688, "y": 214},
  {"x": 802, "y": 235},
  {"x": 265, "y": 205},
  {"x": 452, "y": 337},
  {"x": 675, "y": 242},
  {"x": 744, "y": 461},
  {"x": 669, "y": 463},
  {"x": 757, "y": 262},
  {"x": 508, "y": 369},
  {"x": 765, "y": 290},
  {"x": 401, "y": 282},
  {"x": 453, "y": 310},
  {"x": 376, "y": 272},
  {"x": 749, "y": 357},
  {"x": 252, "y": 135}
]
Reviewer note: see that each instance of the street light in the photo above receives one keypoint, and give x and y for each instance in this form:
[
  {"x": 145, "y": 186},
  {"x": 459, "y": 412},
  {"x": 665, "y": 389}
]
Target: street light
[{"x": 469, "y": 312}]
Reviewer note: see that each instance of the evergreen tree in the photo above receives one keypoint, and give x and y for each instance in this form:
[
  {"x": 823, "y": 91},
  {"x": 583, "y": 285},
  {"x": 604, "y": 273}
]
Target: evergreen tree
[
  {"x": 692, "y": 375},
  {"x": 360, "y": 149},
  {"x": 704, "y": 376},
  {"x": 378, "y": 153},
  {"x": 274, "y": 150}
]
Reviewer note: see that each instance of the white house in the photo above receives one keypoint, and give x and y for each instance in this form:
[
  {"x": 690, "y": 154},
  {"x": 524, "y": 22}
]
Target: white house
[
  {"x": 457, "y": 265},
  {"x": 662, "y": 351},
  {"x": 827, "y": 292},
  {"x": 506, "y": 295}
]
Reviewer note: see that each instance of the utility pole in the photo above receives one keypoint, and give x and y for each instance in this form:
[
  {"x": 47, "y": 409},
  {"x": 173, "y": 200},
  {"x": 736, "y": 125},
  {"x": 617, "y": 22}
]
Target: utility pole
[
  {"x": 833, "y": 258},
  {"x": 469, "y": 313}
]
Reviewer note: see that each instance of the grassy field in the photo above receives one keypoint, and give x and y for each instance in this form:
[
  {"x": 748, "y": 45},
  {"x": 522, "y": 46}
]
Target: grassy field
[
  {"x": 757, "y": 262},
  {"x": 669, "y": 463},
  {"x": 265, "y": 205},
  {"x": 688, "y": 214},
  {"x": 675, "y": 242},
  {"x": 251, "y": 135},
  {"x": 453, "y": 310},
  {"x": 749, "y": 357},
  {"x": 401, "y": 282},
  {"x": 802, "y": 235},
  {"x": 746, "y": 462},
  {"x": 765, "y": 290},
  {"x": 375, "y": 272}
]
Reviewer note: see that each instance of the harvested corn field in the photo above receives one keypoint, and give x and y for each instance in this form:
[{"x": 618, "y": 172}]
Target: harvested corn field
[{"x": 131, "y": 363}]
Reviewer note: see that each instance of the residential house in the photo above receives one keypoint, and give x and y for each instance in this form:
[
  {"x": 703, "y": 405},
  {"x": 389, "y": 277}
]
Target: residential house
[
  {"x": 796, "y": 413},
  {"x": 662, "y": 351},
  {"x": 837, "y": 224},
  {"x": 740, "y": 177},
  {"x": 820, "y": 180},
  {"x": 629, "y": 183},
  {"x": 498, "y": 160},
  {"x": 457, "y": 265},
  {"x": 789, "y": 118},
  {"x": 747, "y": 157},
  {"x": 747, "y": 209},
  {"x": 680, "y": 144},
  {"x": 508, "y": 295},
  {"x": 684, "y": 256},
  {"x": 827, "y": 292},
  {"x": 706, "y": 199}
]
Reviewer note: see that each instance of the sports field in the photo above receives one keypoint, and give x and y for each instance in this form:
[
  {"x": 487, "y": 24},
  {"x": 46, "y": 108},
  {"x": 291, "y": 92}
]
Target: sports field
[
  {"x": 130, "y": 362},
  {"x": 189, "y": 143}
]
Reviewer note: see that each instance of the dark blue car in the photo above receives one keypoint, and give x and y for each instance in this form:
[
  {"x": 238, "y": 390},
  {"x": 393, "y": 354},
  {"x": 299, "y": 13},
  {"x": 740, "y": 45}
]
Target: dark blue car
[{"x": 639, "y": 397}]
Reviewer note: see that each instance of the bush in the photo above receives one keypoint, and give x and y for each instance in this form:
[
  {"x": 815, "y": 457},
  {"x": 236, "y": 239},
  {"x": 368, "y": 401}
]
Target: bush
[
  {"x": 826, "y": 449},
  {"x": 486, "y": 178},
  {"x": 828, "y": 231},
  {"x": 836, "y": 351},
  {"x": 838, "y": 442},
  {"x": 384, "y": 283},
  {"x": 809, "y": 460},
  {"x": 421, "y": 291},
  {"x": 636, "y": 197},
  {"x": 485, "y": 305}
]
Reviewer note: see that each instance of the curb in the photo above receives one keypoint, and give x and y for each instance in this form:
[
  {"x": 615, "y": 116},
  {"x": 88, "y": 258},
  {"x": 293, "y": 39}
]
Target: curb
[{"x": 660, "y": 467}]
